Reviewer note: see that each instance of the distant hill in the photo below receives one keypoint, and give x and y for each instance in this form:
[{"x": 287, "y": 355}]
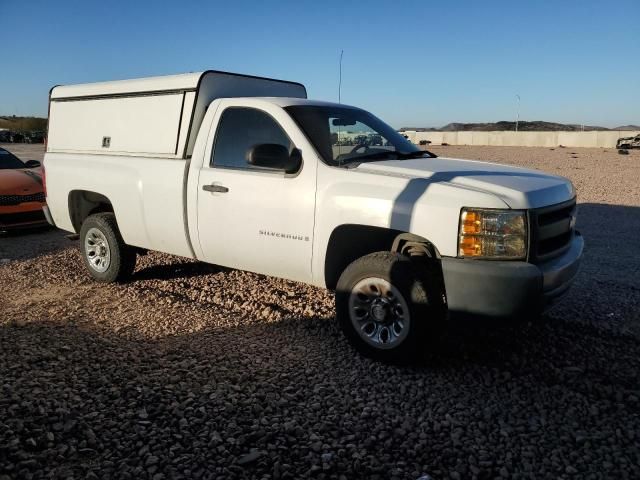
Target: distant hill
[
  {"x": 537, "y": 126},
  {"x": 22, "y": 124}
]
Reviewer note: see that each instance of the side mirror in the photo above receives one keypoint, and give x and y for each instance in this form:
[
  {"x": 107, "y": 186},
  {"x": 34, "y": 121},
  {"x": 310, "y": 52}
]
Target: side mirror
[
  {"x": 275, "y": 157},
  {"x": 32, "y": 163}
]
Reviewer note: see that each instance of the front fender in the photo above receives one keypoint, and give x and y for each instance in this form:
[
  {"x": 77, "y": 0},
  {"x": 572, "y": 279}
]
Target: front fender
[{"x": 414, "y": 205}]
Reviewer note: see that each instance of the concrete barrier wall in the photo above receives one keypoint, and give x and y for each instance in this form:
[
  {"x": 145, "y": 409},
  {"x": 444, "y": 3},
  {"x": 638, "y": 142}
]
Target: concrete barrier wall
[{"x": 599, "y": 139}]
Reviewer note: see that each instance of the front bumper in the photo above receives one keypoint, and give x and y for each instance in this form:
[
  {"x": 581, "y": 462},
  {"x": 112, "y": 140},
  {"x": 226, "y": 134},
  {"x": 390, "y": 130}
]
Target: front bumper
[
  {"x": 506, "y": 289},
  {"x": 22, "y": 217}
]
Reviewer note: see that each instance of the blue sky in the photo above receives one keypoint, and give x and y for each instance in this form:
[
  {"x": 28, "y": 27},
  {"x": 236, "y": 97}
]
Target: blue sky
[{"x": 412, "y": 63}]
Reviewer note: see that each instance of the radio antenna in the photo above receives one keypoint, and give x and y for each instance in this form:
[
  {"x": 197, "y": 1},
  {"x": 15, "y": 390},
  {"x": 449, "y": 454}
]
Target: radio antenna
[{"x": 340, "y": 77}]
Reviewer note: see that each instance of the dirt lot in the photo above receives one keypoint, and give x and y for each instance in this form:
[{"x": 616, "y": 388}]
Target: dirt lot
[{"x": 194, "y": 371}]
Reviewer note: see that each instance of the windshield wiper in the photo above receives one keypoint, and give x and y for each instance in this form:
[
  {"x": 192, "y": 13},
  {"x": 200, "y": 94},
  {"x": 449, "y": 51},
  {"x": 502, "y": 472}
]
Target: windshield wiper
[
  {"x": 416, "y": 154},
  {"x": 397, "y": 155},
  {"x": 368, "y": 156},
  {"x": 387, "y": 155}
]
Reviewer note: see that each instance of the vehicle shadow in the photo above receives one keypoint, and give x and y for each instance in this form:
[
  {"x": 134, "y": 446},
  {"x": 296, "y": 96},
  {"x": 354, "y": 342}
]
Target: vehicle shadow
[
  {"x": 215, "y": 395},
  {"x": 180, "y": 269}
]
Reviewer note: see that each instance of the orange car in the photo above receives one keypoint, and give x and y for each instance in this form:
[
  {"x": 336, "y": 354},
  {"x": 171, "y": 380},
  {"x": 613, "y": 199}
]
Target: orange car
[{"x": 21, "y": 193}]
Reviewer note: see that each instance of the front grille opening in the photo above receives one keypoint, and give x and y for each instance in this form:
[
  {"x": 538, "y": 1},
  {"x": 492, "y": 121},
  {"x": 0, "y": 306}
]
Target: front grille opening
[
  {"x": 11, "y": 200},
  {"x": 555, "y": 216},
  {"x": 545, "y": 247},
  {"x": 552, "y": 230}
]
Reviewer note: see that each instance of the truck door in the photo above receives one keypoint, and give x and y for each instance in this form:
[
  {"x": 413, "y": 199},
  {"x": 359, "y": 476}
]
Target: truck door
[{"x": 253, "y": 218}]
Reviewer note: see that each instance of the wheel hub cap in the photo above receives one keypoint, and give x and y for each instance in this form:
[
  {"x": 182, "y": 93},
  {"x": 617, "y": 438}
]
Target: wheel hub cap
[
  {"x": 379, "y": 312},
  {"x": 96, "y": 250}
]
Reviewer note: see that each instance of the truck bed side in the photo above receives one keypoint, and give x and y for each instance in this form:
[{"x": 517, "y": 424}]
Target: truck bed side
[{"x": 145, "y": 193}]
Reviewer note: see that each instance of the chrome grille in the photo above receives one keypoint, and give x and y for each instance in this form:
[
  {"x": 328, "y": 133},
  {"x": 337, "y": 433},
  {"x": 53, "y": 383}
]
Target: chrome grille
[
  {"x": 552, "y": 229},
  {"x": 8, "y": 200}
]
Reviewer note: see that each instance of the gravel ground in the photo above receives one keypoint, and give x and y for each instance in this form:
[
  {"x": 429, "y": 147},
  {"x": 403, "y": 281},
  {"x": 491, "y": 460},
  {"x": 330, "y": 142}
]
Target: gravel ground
[{"x": 194, "y": 371}]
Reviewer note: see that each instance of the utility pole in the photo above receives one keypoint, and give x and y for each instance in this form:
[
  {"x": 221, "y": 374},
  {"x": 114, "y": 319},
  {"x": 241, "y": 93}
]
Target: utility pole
[{"x": 517, "y": 112}]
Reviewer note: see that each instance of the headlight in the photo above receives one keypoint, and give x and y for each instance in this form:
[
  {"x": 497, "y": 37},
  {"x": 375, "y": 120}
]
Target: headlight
[{"x": 492, "y": 234}]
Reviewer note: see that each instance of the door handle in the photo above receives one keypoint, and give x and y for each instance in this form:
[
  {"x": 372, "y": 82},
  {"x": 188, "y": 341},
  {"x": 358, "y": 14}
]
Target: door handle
[{"x": 215, "y": 188}]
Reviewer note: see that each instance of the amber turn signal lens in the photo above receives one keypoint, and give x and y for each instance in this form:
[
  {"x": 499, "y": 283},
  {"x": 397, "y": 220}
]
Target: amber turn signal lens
[
  {"x": 470, "y": 246},
  {"x": 471, "y": 223}
]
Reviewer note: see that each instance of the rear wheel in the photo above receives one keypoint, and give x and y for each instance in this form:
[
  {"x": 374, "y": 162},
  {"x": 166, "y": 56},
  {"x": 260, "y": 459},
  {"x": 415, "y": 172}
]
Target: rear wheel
[
  {"x": 106, "y": 256},
  {"x": 390, "y": 306}
]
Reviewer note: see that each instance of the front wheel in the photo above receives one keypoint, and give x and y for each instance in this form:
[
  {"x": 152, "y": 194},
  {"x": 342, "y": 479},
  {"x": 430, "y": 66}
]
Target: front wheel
[
  {"x": 106, "y": 256},
  {"x": 390, "y": 306}
]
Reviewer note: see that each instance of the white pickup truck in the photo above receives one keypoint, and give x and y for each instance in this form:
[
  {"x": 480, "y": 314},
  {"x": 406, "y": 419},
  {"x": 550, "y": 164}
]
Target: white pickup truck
[{"x": 245, "y": 172}]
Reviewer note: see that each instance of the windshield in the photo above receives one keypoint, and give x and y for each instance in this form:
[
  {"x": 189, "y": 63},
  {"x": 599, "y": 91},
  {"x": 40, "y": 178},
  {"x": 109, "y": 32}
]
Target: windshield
[
  {"x": 345, "y": 135},
  {"x": 9, "y": 160}
]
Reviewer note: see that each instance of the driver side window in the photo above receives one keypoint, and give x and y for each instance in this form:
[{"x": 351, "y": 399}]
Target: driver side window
[{"x": 241, "y": 128}]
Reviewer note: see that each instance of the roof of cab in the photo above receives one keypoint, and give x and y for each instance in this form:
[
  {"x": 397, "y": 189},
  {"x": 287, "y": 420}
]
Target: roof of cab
[{"x": 292, "y": 101}]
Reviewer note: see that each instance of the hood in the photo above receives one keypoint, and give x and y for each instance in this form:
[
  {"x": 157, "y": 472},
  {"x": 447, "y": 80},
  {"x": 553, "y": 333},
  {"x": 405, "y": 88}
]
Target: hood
[
  {"x": 23, "y": 181},
  {"x": 517, "y": 187}
]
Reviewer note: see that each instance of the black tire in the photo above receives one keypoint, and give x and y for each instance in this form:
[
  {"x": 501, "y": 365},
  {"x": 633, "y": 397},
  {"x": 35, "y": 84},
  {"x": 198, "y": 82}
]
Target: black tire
[
  {"x": 100, "y": 229},
  {"x": 420, "y": 287}
]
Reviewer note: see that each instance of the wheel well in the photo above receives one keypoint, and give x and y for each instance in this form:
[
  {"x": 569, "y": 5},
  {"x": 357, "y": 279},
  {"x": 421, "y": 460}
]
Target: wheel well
[
  {"x": 350, "y": 242},
  {"x": 83, "y": 203}
]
